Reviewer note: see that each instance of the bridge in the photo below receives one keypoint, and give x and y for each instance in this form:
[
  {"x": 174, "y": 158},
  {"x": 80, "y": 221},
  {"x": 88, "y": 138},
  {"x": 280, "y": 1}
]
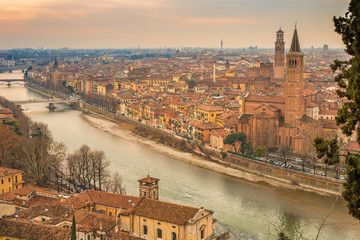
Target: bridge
[
  {"x": 50, "y": 101},
  {"x": 9, "y": 81}
]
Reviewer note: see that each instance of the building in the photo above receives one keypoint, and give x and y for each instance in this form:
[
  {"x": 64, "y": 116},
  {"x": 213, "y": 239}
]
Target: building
[
  {"x": 27, "y": 197},
  {"x": 294, "y": 85},
  {"x": 149, "y": 187},
  {"x": 288, "y": 119},
  {"x": 145, "y": 216},
  {"x": 279, "y": 69},
  {"x": 10, "y": 179}
]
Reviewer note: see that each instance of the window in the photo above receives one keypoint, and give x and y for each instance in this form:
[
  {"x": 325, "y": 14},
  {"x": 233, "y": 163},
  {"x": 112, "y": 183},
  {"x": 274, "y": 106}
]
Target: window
[
  {"x": 202, "y": 234},
  {"x": 154, "y": 194},
  {"x": 159, "y": 233},
  {"x": 173, "y": 236},
  {"x": 9, "y": 179},
  {"x": 144, "y": 193},
  {"x": 16, "y": 180},
  {"x": 279, "y": 140},
  {"x": 110, "y": 213},
  {"x": 145, "y": 230},
  {"x": 290, "y": 140},
  {"x": 2, "y": 181},
  {"x": 88, "y": 237}
]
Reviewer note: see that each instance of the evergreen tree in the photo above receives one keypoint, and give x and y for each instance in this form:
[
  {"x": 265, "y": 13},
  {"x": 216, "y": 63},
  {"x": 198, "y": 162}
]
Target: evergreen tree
[
  {"x": 73, "y": 229},
  {"x": 348, "y": 79}
]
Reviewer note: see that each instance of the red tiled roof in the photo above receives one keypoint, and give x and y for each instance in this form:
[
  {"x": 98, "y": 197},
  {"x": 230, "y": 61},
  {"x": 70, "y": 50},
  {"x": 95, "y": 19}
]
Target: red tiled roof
[
  {"x": 25, "y": 230},
  {"x": 164, "y": 211},
  {"x": 149, "y": 179},
  {"x": 91, "y": 197},
  {"x": 352, "y": 146},
  {"x": 8, "y": 171}
]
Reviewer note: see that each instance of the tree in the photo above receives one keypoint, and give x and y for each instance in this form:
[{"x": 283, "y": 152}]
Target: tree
[
  {"x": 41, "y": 155},
  {"x": 242, "y": 138},
  {"x": 73, "y": 229},
  {"x": 248, "y": 149},
  {"x": 192, "y": 83},
  {"x": 231, "y": 139},
  {"x": 14, "y": 126},
  {"x": 285, "y": 153},
  {"x": 328, "y": 150},
  {"x": 351, "y": 191},
  {"x": 259, "y": 152},
  {"x": 348, "y": 80},
  {"x": 114, "y": 184},
  {"x": 10, "y": 144}
]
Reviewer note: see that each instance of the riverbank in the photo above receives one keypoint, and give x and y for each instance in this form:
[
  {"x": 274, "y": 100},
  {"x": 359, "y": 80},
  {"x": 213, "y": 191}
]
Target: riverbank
[
  {"x": 219, "y": 166},
  {"x": 178, "y": 149}
]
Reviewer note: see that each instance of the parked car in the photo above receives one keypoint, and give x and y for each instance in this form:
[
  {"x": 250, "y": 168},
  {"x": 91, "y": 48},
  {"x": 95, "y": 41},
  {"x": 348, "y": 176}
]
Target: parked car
[{"x": 341, "y": 177}]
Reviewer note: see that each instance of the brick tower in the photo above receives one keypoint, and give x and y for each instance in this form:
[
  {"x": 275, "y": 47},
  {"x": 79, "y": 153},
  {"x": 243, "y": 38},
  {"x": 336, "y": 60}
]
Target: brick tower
[
  {"x": 294, "y": 86},
  {"x": 149, "y": 187},
  {"x": 279, "y": 55}
]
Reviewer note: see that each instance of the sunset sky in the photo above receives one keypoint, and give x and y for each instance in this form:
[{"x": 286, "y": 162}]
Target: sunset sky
[{"x": 166, "y": 23}]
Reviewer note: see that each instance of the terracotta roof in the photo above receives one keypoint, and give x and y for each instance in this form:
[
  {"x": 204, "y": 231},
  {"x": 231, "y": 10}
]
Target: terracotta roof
[
  {"x": 209, "y": 108},
  {"x": 164, "y": 211},
  {"x": 352, "y": 146},
  {"x": 124, "y": 236},
  {"x": 10, "y": 196},
  {"x": 91, "y": 197},
  {"x": 8, "y": 171},
  {"x": 149, "y": 179},
  {"x": 24, "y": 230},
  {"x": 266, "y": 99}
]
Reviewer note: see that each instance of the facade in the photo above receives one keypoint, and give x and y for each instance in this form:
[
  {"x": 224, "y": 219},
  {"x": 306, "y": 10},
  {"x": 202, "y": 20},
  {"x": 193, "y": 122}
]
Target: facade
[
  {"x": 294, "y": 86},
  {"x": 149, "y": 187},
  {"x": 279, "y": 70},
  {"x": 10, "y": 179},
  {"x": 289, "y": 119}
]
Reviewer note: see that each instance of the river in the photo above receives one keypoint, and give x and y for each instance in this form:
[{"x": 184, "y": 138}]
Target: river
[{"x": 249, "y": 210}]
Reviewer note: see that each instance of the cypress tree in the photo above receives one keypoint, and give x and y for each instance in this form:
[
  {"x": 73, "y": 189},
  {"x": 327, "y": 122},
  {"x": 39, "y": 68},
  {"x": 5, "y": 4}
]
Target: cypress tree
[{"x": 73, "y": 229}]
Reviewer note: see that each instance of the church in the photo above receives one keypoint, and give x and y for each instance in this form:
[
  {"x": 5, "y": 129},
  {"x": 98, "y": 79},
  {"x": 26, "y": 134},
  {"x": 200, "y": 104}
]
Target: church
[{"x": 288, "y": 119}]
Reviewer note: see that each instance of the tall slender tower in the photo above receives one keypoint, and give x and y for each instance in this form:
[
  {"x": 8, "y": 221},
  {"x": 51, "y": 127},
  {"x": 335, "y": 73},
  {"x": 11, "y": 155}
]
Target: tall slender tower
[
  {"x": 294, "y": 86},
  {"x": 222, "y": 44},
  {"x": 279, "y": 55}
]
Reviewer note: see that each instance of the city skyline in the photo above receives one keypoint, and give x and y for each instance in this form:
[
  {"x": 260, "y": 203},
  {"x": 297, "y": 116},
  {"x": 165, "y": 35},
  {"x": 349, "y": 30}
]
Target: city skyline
[{"x": 159, "y": 23}]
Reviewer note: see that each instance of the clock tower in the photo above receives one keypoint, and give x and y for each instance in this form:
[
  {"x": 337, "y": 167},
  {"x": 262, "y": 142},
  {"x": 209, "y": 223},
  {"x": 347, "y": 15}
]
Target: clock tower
[{"x": 279, "y": 55}]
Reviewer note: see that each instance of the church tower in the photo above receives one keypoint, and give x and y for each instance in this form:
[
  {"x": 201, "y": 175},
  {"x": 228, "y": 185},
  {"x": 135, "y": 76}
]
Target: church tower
[
  {"x": 294, "y": 86},
  {"x": 149, "y": 187},
  {"x": 279, "y": 55}
]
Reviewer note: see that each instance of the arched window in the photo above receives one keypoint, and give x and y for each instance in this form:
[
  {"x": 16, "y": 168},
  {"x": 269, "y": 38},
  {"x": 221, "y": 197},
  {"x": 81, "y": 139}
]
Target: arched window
[
  {"x": 145, "y": 230},
  {"x": 173, "y": 236}
]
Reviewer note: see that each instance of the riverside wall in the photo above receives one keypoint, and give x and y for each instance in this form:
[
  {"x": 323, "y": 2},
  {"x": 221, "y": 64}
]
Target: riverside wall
[{"x": 292, "y": 177}]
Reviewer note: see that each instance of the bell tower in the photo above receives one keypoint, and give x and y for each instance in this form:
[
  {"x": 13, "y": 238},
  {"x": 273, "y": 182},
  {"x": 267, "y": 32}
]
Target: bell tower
[
  {"x": 294, "y": 85},
  {"x": 279, "y": 68},
  {"x": 149, "y": 187}
]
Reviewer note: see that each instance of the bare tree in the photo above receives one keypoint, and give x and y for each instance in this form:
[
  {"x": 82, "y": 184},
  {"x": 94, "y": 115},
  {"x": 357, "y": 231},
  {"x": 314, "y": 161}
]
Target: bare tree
[
  {"x": 41, "y": 154},
  {"x": 285, "y": 153},
  {"x": 114, "y": 184}
]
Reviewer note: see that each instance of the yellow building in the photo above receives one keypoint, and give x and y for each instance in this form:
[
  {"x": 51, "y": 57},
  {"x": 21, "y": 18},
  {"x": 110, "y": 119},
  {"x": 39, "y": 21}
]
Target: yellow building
[
  {"x": 10, "y": 179},
  {"x": 148, "y": 218},
  {"x": 208, "y": 113}
]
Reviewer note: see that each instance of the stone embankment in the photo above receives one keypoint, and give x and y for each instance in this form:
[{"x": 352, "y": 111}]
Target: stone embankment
[{"x": 232, "y": 165}]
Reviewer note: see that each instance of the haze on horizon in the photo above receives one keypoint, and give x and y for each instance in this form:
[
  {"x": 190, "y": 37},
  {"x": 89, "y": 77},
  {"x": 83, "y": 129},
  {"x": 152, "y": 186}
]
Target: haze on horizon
[{"x": 166, "y": 23}]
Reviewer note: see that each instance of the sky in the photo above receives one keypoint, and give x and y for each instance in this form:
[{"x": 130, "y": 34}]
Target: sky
[{"x": 166, "y": 23}]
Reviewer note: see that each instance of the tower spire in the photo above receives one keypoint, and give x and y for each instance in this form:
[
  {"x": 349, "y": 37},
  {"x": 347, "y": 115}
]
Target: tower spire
[{"x": 295, "y": 45}]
